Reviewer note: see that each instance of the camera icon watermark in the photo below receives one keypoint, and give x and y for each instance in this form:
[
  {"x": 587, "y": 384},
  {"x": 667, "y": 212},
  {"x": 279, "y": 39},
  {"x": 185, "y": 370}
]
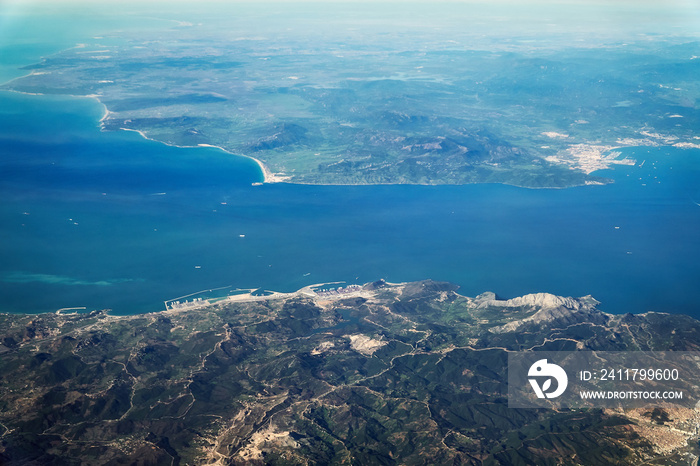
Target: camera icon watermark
[{"x": 546, "y": 372}]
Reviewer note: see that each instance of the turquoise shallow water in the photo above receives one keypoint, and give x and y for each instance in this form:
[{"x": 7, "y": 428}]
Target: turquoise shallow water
[{"x": 110, "y": 220}]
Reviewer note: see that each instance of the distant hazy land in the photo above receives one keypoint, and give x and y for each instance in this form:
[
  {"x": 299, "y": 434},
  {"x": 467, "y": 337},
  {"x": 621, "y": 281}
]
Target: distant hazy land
[{"x": 320, "y": 97}]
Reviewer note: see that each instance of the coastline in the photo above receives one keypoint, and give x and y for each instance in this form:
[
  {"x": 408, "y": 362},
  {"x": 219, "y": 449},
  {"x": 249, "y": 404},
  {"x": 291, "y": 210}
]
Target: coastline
[
  {"x": 268, "y": 176},
  {"x": 606, "y": 160}
]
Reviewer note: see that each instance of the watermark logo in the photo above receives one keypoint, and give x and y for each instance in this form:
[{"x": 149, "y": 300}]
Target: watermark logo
[
  {"x": 603, "y": 379},
  {"x": 546, "y": 372}
]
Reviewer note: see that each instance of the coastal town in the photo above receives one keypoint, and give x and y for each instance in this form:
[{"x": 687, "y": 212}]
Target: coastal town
[{"x": 340, "y": 292}]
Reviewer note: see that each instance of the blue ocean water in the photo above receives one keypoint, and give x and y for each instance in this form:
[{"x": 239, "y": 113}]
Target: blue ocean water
[{"x": 111, "y": 220}]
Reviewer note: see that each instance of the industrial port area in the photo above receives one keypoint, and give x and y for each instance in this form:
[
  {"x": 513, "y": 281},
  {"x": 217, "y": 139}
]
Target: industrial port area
[{"x": 321, "y": 291}]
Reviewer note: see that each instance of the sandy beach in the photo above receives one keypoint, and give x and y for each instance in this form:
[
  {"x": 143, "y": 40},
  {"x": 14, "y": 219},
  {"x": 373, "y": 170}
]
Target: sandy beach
[{"x": 268, "y": 176}]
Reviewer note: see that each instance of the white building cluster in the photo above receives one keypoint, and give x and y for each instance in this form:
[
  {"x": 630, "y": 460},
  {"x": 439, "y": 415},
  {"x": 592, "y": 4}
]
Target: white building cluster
[
  {"x": 337, "y": 292},
  {"x": 196, "y": 302}
]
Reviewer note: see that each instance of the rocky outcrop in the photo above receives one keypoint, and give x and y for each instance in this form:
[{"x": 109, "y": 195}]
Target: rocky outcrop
[
  {"x": 541, "y": 300},
  {"x": 548, "y": 309},
  {"x": 545, "y": 300}
]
